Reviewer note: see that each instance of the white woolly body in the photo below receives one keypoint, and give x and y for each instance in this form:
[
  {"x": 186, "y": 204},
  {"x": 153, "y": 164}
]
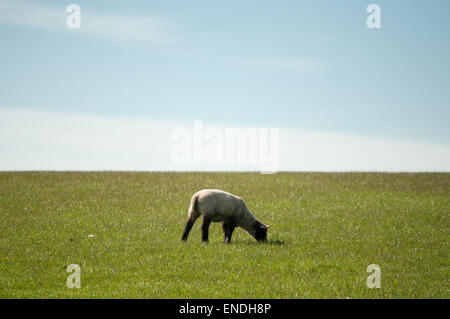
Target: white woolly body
[{"x": 221, "y": 206}]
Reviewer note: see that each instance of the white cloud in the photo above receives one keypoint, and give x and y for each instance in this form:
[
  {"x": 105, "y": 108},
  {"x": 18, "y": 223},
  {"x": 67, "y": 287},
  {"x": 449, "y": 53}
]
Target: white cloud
[
  {"x": 319, "y": 151},
  {"x": 35, "y": 140},
  {"x": 116, "y": 27}
]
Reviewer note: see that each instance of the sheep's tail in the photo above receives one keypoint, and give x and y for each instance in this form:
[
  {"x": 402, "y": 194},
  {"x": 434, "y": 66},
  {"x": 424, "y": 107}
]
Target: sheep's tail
[{"x": 193, "y": 207}]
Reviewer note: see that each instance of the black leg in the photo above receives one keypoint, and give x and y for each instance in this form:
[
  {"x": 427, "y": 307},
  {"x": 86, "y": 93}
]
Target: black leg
[
  {"x": 205, "y": 228},
  {"x": 187, "y": 229},
  {"x": 230, "y": 232},
  {"x": 227, "y": 232}
]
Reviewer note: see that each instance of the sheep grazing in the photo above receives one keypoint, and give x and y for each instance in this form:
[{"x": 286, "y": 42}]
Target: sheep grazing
[{"x": 219, "y": 206}]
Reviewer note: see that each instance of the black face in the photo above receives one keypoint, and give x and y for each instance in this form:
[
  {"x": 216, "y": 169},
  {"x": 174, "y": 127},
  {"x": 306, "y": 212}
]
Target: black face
[{"x": 260, "y": 232}]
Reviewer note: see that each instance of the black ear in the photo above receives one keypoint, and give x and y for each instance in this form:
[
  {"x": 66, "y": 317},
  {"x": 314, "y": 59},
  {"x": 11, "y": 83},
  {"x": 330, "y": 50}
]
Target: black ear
[{"x": 263, "y": 226}]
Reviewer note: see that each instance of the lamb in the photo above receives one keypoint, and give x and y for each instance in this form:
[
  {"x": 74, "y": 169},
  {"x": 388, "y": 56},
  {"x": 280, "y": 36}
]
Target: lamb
[{"x": 219, "y": 206}]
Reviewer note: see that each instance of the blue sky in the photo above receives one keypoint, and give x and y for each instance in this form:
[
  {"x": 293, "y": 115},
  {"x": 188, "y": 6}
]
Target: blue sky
[{"x": 309, "y": 65}]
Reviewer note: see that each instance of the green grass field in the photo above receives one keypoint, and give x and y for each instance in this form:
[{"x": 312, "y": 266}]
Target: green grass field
[{"x": 325, "y": 230}]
